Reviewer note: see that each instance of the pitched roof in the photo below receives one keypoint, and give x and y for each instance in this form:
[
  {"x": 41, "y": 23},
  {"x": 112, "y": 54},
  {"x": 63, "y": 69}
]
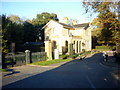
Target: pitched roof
[
  {"x": 81, "y": 25},
  {"x": 65, "y": 25},
  {"x": 85, "y": 25}
]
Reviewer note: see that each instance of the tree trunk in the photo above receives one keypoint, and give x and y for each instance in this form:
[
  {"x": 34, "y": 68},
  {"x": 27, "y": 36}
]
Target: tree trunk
[{"x": 3, "y": 61}]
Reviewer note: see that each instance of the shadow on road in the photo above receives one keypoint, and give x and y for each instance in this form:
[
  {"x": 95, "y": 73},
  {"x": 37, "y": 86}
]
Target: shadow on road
[
  {"x": 69, "y": 75},
  {"x": 10, "y": 72}
]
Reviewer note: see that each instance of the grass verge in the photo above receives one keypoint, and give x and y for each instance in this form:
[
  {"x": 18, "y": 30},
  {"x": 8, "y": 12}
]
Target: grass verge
[
  {"x": 45, "y": 63},
  {"x": 85, "y": 53},
  {"x": 3, "y": 70}
]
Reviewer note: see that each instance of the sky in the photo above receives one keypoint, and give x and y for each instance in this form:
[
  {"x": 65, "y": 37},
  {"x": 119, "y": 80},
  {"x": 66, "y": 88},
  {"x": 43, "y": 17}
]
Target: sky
[{"x": 29, "y": 10}]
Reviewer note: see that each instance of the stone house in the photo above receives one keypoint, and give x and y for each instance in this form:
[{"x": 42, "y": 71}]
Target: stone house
[{"x": 59, "y": 36}]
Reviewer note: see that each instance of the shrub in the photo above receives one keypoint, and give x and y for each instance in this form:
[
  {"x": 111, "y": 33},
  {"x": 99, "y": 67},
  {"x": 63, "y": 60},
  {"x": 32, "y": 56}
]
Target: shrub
[
  {"x": 74, "y": 56},
  {"x": 83, "y": 50},
  {"x": 3, "y": 70},
  {"x": 63, "y": 56}
]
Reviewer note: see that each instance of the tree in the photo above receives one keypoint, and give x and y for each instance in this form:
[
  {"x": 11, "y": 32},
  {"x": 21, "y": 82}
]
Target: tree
[
  {"x": 15, "y": 19},
  {"x": 41, "y": 20},
  {"x": 12, "y": 32},
  {"x": 29, "y": 33},
  {"x": 107, "y": 20},
  {"x": 3, "y": 47},
  {"x": 4, "y": 29},
  {"x": 44, "y": 18}
]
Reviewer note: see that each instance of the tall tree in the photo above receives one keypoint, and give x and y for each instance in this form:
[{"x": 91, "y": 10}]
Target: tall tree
[
  {"x": 41, "y": 20},
  {"x": 107, "y": 19},
  {"x": 3, "y": 41},
  {"x": 29, "y": 33},
  {"x": 15, "y": 19},
  {"x": 11, "y": 31},
  {"x": 44, "y": 18}
]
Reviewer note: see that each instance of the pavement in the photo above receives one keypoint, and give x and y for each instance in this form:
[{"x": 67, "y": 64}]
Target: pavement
[
  {"x": 111, "y": 61},
  {"x": 25, "y": 71},
  {"x": 25, "y": 68},
  {"x": 113, "y": 64},
  {"x": 19, "y": 69},
  {"x": 15, "y": 74}
]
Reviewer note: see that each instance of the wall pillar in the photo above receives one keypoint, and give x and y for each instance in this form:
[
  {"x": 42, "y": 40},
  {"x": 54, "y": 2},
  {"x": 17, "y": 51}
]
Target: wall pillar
[
  {"x": 56, "y": 54},
  {"x": 27, "y": 56},
  {"x": 75, "y": 47},
  {"x": 79, "y": 46},
  {"x": 48, "y": 49}
]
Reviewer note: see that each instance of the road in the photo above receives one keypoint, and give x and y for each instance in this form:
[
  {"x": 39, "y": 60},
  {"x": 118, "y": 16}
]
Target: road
[{"x": 87, "y": 73}]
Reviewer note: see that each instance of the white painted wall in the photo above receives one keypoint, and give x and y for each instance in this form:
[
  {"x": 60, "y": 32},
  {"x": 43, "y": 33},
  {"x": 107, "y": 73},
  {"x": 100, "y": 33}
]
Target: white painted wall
[{"x": 56, "y": 32}]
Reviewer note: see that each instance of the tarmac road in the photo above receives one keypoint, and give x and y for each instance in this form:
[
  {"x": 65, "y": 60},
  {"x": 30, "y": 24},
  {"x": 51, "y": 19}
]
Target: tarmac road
[{"x": 87, "y": 73}]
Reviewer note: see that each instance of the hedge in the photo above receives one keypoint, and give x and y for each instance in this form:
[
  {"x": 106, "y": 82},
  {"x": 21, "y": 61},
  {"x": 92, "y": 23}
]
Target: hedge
[{"x": 105, "y": 47}]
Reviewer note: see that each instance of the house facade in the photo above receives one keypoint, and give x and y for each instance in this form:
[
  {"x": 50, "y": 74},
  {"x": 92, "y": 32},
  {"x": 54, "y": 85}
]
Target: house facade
[{"x": 59, "y": 36}]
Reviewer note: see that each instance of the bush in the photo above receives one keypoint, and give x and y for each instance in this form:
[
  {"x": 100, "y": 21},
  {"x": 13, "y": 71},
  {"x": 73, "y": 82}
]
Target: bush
[
  {"x": 85, "y": 53},
  {"x": 74, "y": 56},
  {"x": 3, "y": 70},
  {"x": 83, "y": 50},
  {"x": 63, "y": 56}
]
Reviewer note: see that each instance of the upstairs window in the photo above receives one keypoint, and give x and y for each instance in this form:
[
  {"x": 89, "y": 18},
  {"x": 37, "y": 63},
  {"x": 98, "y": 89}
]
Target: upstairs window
[{"x": 86, "y": 32}]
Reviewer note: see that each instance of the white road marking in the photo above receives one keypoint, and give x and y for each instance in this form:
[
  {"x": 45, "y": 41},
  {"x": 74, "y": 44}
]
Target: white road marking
[
  {"x": 105, "y": 79},
  {"x": 90, "y": 82},
  {"x": 104, "y": 65}
]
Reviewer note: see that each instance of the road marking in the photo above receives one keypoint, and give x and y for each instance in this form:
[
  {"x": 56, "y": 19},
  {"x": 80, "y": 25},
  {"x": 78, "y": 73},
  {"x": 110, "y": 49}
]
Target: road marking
[
  {"x": 90, "y": 82},
  {"x": 105, "y": 79},
  {"x": 104, "y": 65}
]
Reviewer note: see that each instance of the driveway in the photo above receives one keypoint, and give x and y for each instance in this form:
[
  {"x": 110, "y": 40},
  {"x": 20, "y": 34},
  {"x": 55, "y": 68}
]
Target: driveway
[{"x": 86, "y": 73}]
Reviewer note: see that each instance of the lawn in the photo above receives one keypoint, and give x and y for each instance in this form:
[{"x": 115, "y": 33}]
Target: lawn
[
  {"x": 45, "y": 63},
  {"x": 3, "y": 70},
  {"x": 85, "y": 53},
  {"x": 105, "y": 48}
]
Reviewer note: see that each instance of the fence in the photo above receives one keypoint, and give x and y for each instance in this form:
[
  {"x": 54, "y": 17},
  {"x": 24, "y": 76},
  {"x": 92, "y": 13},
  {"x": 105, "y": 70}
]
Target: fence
[
  {"x": 38, "y": 56},
  {"x": 24, "y": 58}
]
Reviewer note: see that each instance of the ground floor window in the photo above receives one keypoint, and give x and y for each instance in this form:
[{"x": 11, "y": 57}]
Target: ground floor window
[
  {"x": 66, "y": 46},
  {"x": 54, "y": 45}
]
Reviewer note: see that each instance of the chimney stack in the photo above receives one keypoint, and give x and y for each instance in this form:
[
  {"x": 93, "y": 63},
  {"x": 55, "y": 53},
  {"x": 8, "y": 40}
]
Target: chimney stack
[
  {"x": 65, "y": 20},
  {"x": 74, "y": 22}
]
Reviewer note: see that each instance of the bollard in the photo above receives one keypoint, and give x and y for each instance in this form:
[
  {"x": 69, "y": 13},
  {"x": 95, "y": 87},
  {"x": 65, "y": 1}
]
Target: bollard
[
  {"x": 105, "y": 55},
  {"x": 27, "y": 56},
  {"x": 56, "y": 54}
]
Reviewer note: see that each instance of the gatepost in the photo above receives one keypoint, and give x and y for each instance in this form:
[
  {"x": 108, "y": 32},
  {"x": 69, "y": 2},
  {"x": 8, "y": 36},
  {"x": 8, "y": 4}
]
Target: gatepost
[
  {"x": 27, "y": 56},
  {"x": 56, "y": 54},
  {"x": 48, "y": 49}
]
